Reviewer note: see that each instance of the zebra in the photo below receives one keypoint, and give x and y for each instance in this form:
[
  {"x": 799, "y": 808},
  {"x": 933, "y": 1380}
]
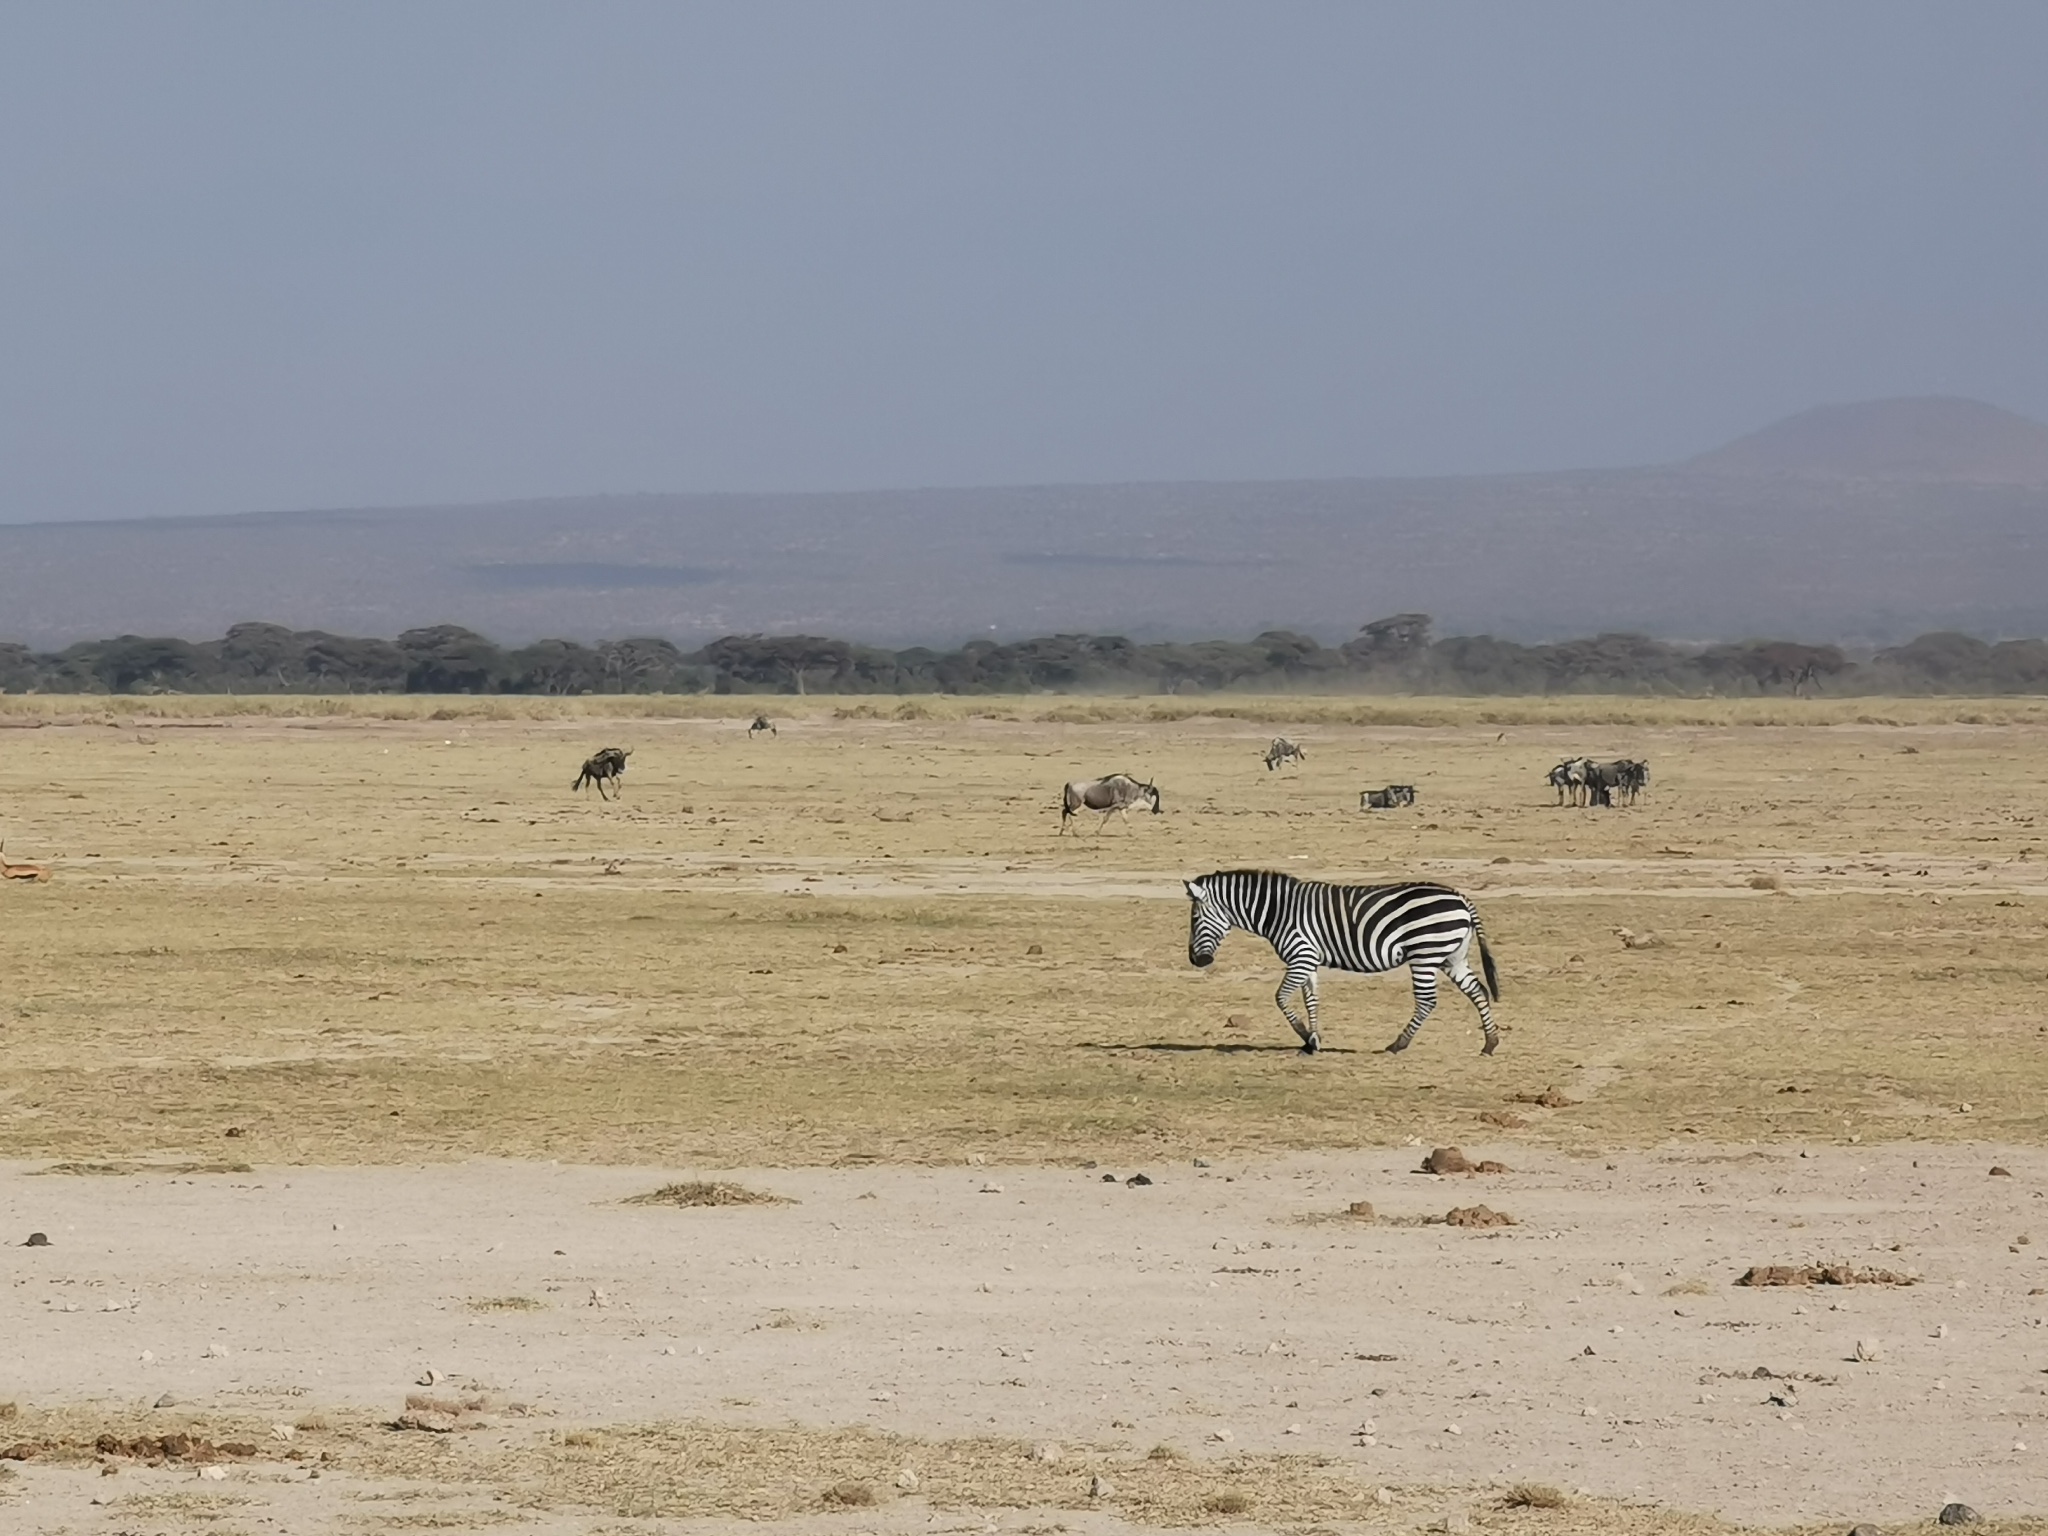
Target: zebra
[
  {"x": 1311, "y": 923},
  {"x": 1119, "y": 792},
  {"x": 1568, "y": 778},
  {"x": 606, "y": 763},
  {"x": 1283, "y": 751},
  {"x": 761, "y": 723},
  {"x": 1386, "y": 799}
]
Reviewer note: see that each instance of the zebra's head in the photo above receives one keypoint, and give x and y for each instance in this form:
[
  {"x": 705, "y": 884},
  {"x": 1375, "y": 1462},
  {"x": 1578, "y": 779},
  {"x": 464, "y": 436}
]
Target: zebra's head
[{"x": 1207, "y": 923}]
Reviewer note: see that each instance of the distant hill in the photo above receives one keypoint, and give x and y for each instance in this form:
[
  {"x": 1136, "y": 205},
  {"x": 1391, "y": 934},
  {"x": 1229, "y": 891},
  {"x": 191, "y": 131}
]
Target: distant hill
[
  {"x": 1934, "y": 439},
  {"x": 1856, "y": 523}
]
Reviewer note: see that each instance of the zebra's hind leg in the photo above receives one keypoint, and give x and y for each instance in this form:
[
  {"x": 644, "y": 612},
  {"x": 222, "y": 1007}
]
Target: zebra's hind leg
[
  {"x": 1424, "y": 979},
  {"x": 1301, "y": 979},
  {"x": 1467, "y": 983}
]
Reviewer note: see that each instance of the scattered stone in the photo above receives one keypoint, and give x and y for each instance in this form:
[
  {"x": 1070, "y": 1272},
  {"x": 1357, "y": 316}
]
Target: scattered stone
[
  {"x": 907, "y": 1480},
  {"x": 1045, "y": 1451},
  {"x": 1223, "y": 1436},
  {"x": 1362, "y": 1209},
  {"x": 1383, "y": 1495},
  {"x": 234, "y": 1131},
  {"x": 166, "y": 1401},
  {"x": 1477, "y": 1216},
  {"x": 1446, "y": 1160},
  {"x": 1237, "y": 1021},
  {"x": 1109, "y": 1178},
  {"x": 1136, "y": 1180},
  {"x": 1203, "y": 1162},
  {"x": 1869, "y": 1351},
  {"x": 1507, "y": 1120},
  {"x": 1488, "y": 1165},
  {"x": 1100, "y": 1487},
  {"x": 851, "y": 1495},
  {"x": 427, "y": 1422},
  {"x": 1632, "y": 940},
  {"x": 1035, "y": 949},
  {"x": 1549, "y": 1098},
  {"x": 1820, "y": 1274},
  {"x": 37, "y": 1240},
  {"x": 1958, "y": 1514},
  {"x": 1863, "y": 1530},
  {"x": 286, "y": 1433},
  {"x": 214, "y": 1352},
  {"x": 1996, "y": 1173}
]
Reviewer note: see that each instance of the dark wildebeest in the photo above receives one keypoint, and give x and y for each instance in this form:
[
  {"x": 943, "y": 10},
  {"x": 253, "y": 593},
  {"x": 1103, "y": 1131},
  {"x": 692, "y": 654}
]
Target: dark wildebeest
[
  {"x": 1119, "y": 792},
  {"x": 1283, "y": 751},
  {"x": 1386, "y": 799},
  {"x": 761, "y": 723},
  {"x": 1625, "y": 775},
  {"x": 606, "y": 763}
]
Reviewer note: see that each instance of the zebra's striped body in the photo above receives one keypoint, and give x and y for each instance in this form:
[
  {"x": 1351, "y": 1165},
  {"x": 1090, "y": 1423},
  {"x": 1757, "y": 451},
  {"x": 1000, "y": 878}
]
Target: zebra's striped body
[{"x": 1311, "y": 924}]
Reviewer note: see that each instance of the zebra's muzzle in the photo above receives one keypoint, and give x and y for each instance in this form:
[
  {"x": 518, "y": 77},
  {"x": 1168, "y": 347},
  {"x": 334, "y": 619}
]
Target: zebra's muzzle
[{"x": 1196, "y": 957}]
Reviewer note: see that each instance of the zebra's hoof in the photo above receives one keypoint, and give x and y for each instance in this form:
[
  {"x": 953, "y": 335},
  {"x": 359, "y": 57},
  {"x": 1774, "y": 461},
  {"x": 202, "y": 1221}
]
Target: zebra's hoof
[
  {"x": 1399, "y": 1045},
  {"x": 1311, "y": 1045},
  {"x": 1491, "y": 1042}
]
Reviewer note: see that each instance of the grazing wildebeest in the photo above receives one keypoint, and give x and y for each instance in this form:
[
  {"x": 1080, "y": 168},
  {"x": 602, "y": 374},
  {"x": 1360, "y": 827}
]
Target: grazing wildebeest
[
  {"x": 1310, "y": 923},
  {"x": 606, "y": 763},
  {"x": 1386, "y": 799},
  {"x": 20, "y": 871},
  {"x": 1283, "y": 751},
  {"x": 1119, "y": 792},
  {"x": 761, "y": 723}
]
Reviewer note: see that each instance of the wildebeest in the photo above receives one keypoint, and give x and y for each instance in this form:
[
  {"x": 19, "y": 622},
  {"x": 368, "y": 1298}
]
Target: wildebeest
[
  {"x": 1283, "y": 751},
  {"x": 1386, "y": 799},
  {"x": 1119, "y": 792},
  {"x": 20, "y": 871},
  {"x": 605, "y": 763},
  {"x": 761, "y": 723},
  {"x": 1624, "y": 775}
]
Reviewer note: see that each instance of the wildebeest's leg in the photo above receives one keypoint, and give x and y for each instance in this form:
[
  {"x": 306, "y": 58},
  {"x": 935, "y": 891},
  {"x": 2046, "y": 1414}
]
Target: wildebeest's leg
[
  {"x": 1462, "y": 978},
  {"x": 1424, "y": 978},
  {"x": 1301, "y": 977}
]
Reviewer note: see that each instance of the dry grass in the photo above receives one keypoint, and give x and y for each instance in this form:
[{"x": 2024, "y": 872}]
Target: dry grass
[
  {"x": 350, "y": 938},
  {"x": 1535, "y": 1496},
  {"x": 707, "y": 1192},
  {"x": 506, "y": 1304}
]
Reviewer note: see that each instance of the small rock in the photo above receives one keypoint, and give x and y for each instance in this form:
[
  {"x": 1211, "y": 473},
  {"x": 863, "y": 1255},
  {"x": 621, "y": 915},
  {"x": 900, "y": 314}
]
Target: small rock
[
  {"x": 1109, "y": 1178},
  {"x": 1035, "y": 949},
  {"x": 166, "y": 1401},
  {"x": 1455, "y": 1522},
  {"x": 430, "y": 1423},
  {"x": 1870, "y": 1351},
  {"x": 1383, "y": 1495},
  {"x": 147, "y": 1357},
  {"x": 1446, "y": 1160},
  {"x": 1046, "y": 1451},
  {"x": 1100, "y": 1487},
  {"x": 1223, "y": 1435},
  {"x": 1958, "y": 1514},
  {"x": 1203, "y": 1162},
  {"x": 234, "y": 1131},
  {"x": 1941, "y": 1331},
  {"x": 1136, "y": 1180},
  {"x": 991, "y": 1189},
  {"x": 1863, "y": 1530},
  {"x": 1362, "y": 1209},
  {"x": 37, "y": 1240},
  {"x": 214, "y": 1352},
  {"x": 429, "y": 1377},
  {"x": 1237, "y": 1021},
  {"x": 214, "y": 1474},
  {"x": 907, "y": 1480},
  {"x": 1996, "y": 1173}
]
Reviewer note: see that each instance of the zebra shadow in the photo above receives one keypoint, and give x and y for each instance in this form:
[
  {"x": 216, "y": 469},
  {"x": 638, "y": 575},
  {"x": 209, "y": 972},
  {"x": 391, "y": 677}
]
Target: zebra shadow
[{"x": 1220, "y": 1048}]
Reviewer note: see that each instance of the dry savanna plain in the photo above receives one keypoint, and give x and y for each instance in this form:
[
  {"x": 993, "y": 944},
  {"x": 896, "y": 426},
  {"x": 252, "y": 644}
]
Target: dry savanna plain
[{"x": 343, "y": 1048}]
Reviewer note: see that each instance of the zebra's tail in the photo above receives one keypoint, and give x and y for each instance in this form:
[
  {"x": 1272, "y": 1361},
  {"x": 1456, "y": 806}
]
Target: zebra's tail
[{"x": 1486, "y": 962}]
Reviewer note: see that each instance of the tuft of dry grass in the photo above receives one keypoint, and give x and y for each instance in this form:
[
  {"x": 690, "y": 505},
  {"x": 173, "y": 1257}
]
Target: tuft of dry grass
[
  {"x": 1229, "y": 1502},
  {"x": 699, "y": 1192},
  {"x": 851, "y": 1495},
  {"x": 1693, "y": 1285},
  {"x": 1535, "y": 1496},
  {"x": 506, "y": 1304}
]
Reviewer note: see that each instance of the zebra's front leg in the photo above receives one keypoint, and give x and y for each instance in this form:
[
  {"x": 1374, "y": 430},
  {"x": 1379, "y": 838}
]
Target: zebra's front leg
[
  {"x": 1301, "y": 977},
  {"x": 1424, "y": 978}
]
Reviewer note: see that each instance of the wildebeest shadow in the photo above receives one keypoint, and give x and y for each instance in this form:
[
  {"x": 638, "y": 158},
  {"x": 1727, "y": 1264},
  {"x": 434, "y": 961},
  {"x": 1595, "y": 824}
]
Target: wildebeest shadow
[{"x": 1223, "y": 1048}]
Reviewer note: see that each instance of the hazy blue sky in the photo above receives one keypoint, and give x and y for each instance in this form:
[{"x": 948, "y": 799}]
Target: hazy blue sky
[{"x": 260, "y": 256}]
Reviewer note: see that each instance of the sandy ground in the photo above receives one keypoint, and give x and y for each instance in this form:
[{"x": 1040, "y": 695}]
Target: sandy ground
[{"x": 1221, "y": 1309}]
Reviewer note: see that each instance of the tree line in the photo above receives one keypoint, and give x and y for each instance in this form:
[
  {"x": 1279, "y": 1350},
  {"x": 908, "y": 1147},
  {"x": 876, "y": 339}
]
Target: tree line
[{"x": 1400, "y": 654}]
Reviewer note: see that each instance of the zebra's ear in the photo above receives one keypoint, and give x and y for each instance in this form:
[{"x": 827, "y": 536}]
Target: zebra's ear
[{"x": 1195, "y": 892}]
